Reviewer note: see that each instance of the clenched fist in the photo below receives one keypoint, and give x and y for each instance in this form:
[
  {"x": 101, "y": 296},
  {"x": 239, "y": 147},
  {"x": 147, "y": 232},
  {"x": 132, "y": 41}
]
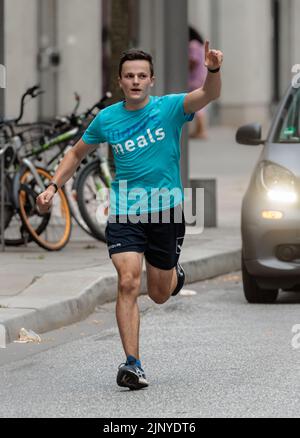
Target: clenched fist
[
  {"x": 213, "y": 58},
  {"x": 45, "y": 199}
]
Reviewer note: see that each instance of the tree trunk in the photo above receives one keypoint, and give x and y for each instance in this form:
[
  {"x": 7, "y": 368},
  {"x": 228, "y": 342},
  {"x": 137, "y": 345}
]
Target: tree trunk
[{"x": 119, "y": 41}]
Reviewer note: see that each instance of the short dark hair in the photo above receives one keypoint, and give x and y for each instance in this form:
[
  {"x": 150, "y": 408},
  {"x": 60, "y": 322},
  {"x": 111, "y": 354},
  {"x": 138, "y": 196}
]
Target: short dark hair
[
  {"x": 134, "y": 55},
  {"x": 195, "y": 35}
]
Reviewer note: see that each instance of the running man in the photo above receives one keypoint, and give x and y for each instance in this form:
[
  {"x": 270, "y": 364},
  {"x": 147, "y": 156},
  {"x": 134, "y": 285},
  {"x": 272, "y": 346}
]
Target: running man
[{"x": 144, "y": 132}]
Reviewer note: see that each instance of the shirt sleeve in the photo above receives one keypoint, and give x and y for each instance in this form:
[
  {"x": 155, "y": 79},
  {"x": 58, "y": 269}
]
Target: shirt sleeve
[
  {"x": 175, "y": 104},
  {"x": 94, "y": 134}
]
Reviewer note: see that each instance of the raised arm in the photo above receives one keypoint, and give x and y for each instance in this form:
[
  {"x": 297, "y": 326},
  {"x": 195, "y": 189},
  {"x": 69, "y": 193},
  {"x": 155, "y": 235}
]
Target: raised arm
[{"x": 211, "y": 89}]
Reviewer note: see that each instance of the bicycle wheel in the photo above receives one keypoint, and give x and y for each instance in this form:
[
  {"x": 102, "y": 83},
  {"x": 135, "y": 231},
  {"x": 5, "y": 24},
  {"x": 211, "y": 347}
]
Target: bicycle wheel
[
  {"x": 92, "y": 198},
  {"x": 71, "y": 195},
  {"x": 52, "y": 230}
]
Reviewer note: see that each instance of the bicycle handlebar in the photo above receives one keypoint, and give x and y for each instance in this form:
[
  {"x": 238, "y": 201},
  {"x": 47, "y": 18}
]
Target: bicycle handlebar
[
  {"x": 77, "y": 98},
  {"x": 99, "y": 104},
  {"x": 33, "y": 92},
  {"x": 74, "y": 119}
]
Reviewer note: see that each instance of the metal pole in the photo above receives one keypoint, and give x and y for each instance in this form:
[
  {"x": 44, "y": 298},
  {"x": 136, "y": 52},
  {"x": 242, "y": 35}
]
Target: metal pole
[
  {"x": 2, "y": 145},
  {"x": 2, "y": 60},
  {"x": 47, "y": 38},
  {"x": 276, "y": 8},
  {"x": 2, "y": 96},
  {"x": 285, "y": 46},
  {"x": 176, "y": 63}
]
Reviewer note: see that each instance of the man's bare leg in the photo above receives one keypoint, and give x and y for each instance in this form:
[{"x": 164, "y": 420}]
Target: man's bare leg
[
  {"x": 129, "y": 268},
  {"x": 161, "y": 283}
]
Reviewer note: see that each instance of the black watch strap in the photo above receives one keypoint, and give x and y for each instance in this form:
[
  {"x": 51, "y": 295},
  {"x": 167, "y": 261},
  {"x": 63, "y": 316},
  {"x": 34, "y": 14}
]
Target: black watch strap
[
  {"x": 214, "y": 71},
  {"x": 52, "y": 183}
]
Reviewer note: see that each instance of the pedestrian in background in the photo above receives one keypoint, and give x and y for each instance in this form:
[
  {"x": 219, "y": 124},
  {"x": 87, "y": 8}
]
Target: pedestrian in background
[{"x": 197, "y": 76}]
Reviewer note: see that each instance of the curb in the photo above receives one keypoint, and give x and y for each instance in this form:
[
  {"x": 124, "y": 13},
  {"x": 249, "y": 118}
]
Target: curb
[{"x": 42, "y": 317}]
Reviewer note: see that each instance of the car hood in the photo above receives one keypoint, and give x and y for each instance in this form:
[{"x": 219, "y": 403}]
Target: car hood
[{"x": 284, "y": 154}]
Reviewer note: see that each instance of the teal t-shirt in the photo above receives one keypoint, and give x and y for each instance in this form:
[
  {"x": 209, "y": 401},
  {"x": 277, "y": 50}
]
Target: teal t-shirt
[{"x": 146, "y": 149}]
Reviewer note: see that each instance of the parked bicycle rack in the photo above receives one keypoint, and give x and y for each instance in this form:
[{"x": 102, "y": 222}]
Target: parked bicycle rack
[{"x": 2, "y": 190}]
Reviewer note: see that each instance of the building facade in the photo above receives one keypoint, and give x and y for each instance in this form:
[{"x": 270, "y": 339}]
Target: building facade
[
  {"x": 260, "y": 40},
  {"x": 56, "y": 44},
  {"x": 59, "y": 44}
]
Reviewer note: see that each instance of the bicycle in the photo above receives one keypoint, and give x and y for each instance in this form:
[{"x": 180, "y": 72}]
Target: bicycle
[
  {"x": 61, "y": 132},
  {"x": 65, "y": 141},
  {"x": 23, "y": 182},
  {"x": 93, "y": 194}
]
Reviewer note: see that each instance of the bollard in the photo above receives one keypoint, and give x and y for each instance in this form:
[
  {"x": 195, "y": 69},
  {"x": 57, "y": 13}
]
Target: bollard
[
  {"x": 210, "y": 200},
  {"x": 2, "y": 336}
]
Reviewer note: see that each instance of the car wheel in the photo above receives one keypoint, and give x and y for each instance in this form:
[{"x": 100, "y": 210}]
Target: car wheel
[{"x": 253, "y": 293}]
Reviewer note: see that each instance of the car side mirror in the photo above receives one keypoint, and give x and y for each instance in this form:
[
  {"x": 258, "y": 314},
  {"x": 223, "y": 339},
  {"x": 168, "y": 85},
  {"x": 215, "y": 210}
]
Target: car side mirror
[{"x": 249, "y": 135}]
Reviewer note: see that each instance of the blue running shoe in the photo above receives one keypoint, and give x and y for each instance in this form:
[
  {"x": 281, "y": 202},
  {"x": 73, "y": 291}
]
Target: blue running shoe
[
  {"x": 131, "y": 376},
  {"x": 180, "y": 279}
]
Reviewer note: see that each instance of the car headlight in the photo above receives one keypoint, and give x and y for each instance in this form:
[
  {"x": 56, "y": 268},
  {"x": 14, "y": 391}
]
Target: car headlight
[{"x": 279, "y": 183}]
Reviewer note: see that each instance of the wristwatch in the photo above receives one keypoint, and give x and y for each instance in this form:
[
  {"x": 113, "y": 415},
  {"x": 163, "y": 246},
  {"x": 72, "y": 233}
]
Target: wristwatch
[
  {"x": 52, "y": 183},
  {"x": 214, "y": 71}
]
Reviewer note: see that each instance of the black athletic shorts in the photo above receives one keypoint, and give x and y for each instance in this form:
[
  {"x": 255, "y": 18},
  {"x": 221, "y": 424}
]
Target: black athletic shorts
[{"x": 160, "y": 242}]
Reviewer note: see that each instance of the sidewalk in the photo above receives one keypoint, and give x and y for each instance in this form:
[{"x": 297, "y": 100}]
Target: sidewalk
[{"x": 43, "y": 291}]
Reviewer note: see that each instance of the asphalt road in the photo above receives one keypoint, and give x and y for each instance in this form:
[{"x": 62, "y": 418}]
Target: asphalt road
[{"x": 208, "y": 355}]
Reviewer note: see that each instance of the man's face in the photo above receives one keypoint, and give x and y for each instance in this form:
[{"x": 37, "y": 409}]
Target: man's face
[{"x": 136, "y": 81}]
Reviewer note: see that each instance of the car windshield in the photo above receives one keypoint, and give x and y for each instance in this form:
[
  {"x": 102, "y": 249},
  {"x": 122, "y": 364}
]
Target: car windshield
[{"x": 289, "y": 124}]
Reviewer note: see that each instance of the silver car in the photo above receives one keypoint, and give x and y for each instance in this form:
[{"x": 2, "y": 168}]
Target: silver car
[{"x": 271, "y": 206}]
